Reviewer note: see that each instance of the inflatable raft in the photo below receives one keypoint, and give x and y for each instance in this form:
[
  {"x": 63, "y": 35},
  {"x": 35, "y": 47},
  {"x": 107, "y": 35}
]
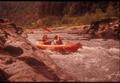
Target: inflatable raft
[{"x": 67, "y": 47}]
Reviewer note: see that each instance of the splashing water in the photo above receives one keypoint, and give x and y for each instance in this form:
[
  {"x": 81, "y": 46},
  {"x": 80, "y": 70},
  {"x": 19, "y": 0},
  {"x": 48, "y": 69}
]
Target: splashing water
[{"x": 98, "y": 60}]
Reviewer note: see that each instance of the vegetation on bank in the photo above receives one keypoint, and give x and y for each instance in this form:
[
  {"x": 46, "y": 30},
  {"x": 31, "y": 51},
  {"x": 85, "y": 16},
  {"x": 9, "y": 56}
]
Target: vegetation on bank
[
  {"x": 39, "y": 14},
  {"x": 87, "y": 18}
]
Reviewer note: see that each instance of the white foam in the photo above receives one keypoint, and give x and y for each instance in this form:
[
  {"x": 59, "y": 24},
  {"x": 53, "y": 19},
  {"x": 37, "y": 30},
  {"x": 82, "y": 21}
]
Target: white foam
[{"x": 114, "y": 50}]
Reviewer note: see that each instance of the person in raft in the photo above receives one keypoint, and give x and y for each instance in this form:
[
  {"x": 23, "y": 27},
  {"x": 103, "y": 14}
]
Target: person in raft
[
  {"x": 57, "y": 40},
  {"x": 45, "y": 40}
]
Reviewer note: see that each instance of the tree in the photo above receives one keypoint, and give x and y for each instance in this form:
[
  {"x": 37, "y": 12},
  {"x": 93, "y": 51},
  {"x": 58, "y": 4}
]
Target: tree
[{"x": 110, "y": 10}]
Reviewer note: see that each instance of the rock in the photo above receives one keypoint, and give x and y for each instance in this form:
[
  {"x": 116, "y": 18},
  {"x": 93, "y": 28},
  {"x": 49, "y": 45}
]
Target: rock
[
  {"x": 23, "y": 61},
  {"x": 105, "y": 28},
  {"x": 3, "y": 76},
  {"x": 16, "y": 51}
]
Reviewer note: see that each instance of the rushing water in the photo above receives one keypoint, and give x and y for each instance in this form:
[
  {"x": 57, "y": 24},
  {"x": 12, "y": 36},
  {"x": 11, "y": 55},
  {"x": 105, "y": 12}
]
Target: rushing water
[{"x": 97, "y": 60}]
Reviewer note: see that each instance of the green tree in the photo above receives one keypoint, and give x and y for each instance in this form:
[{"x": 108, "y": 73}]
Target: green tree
[{"x": 110, "y": 10}]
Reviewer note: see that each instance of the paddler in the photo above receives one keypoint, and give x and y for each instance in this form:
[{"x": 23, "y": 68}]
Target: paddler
[
  {"x": 46, "y": 40},
  {"x": 57, "y": 40}
]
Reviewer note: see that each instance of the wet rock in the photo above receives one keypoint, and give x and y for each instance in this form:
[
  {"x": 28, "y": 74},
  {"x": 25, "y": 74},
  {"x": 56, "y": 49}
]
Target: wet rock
[
  {"x": 15, "y": 51},
  {"x": 105, "y": 28},
  {"x": 27, "y": 62},
  {"x": 3, "y": 76}
]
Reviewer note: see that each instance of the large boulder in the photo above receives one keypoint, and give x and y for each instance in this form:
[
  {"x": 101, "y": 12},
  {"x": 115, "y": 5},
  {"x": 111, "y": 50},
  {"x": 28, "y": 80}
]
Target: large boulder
[
  {"x": 22, "y": 61},
  {"x": 105, "y": 28}
]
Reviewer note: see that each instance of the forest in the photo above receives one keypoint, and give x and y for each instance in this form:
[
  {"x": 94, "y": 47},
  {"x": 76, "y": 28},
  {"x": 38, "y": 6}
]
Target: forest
[{"x": 61, "y": 13}]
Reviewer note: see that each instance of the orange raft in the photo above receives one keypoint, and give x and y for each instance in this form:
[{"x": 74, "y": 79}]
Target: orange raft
[{"x": 67, "y": 47}]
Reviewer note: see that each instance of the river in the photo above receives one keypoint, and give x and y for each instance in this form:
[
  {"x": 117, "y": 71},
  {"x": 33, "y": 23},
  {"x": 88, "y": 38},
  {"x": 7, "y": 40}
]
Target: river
[{"x": 97, "y": 60}]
